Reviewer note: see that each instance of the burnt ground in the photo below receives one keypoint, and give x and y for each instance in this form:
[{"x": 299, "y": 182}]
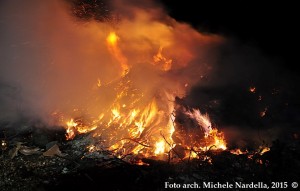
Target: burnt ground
[{"x": 76, "y": 168}]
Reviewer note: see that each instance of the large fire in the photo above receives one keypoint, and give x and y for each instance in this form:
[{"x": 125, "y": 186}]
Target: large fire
[
  {"x": 117, "y": 80},
  {"x": 143, "y": 126}
]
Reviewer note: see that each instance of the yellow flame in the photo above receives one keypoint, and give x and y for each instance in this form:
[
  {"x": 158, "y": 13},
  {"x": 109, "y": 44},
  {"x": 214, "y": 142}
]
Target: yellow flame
[
  {"x": 159, "y": 147},
  {"x": 86, "y": 129},
  {"x": 264, "y": 150},
  {"x": 70, "y": 132},
  {"x": 238, "y": 152},
  {"x": 193, "y": 155},
  {"x": 112, "y": 38},
  {"x": 74, "y": 128},
  {"x": 115, "y": 113},
  {"x": 71, "y": 123},
  {"x": 137, "y": 149},
  {"x": 143, "y": 127},
  {"x": 112, "y": 43},
  {"x": 136, "y": 122},
  {"x": 220, "y": 142}
]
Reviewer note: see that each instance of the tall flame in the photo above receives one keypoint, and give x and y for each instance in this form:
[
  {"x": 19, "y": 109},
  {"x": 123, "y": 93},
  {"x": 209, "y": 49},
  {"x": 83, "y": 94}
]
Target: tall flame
[
  {"x": 112, "y": 43},
  {"x": 137, "y": 111}
]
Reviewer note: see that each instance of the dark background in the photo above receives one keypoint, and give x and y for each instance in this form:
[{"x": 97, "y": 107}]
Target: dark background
[
  {"x": 269, "y": 28},
  {"x": 270, "y": 25}
]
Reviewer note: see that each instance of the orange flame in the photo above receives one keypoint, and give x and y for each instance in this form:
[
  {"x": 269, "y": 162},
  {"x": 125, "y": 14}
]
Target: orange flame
[
  {"x": 112, "y": 43},
  {"x": 132, "y": 125},
  {"x": 139, "y": 136},
  {"x": 263, "y": 150},
  {"x": 160, "y": 58},
  {"x": 159, "y": 147},
  {"x": 70, "y": 132},
  {"x": 74, "y": 128},
  {"x": 238, "y": 152}
]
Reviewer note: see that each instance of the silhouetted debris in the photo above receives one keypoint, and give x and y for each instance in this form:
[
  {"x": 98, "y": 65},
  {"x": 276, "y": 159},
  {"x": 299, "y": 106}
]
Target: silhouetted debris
[{"x": 71, "y": 165}]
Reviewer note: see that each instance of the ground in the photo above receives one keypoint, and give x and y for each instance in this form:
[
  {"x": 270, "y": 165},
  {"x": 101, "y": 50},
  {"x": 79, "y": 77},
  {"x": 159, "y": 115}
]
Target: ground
[{"x": 77, "y": 168}]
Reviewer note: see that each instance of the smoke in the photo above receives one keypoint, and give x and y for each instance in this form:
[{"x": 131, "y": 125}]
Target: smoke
[{"x": 54, "y": 65}]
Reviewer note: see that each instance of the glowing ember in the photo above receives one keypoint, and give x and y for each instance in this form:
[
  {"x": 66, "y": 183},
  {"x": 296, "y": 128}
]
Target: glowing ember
[
  {"x": 263, "y": 113},
  {"x": 91, "y": 148},
  {"x": 260, "y": 151},
  {"x": 263, "y": 150},
  {"x": 238, "y": 152},
  {"x": 140, "y": 162},
  {"x": 252, "y": 89},
  {"x": 3, "y": 145}
]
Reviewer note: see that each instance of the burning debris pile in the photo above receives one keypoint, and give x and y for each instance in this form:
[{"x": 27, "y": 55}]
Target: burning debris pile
[
  {"x": 107, "y": 100},
  {"x": 120, "y": 80},
  {"x": 141, "y": 117},
  {"x": 148, "y": 128}
]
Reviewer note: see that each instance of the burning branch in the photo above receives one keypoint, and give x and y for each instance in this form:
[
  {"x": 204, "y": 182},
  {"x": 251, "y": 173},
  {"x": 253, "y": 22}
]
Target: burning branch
[{"x": 171, "y": 148}]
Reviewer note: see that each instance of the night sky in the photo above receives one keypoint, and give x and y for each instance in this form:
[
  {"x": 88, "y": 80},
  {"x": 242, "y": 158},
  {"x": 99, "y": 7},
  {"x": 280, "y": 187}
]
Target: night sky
[
  {"x": 269, "y": 26},
  {"x": 268, "y": 29}
]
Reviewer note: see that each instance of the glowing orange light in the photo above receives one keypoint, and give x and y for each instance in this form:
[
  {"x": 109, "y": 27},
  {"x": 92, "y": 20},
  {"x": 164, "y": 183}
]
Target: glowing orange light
[
  {"x": 159, "y": 147},
  {"x": 130, "y": 124},
  {"x": 263, "y": 113},
  {"x": 112, "y": 42},
  {"x": 264, "y": 150},
  {"x": 238, "y": 152},
  {"x": 160, "y": 58},
  {"x": 252, "y": 89},
  {"x": 112, "y": 38}
]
